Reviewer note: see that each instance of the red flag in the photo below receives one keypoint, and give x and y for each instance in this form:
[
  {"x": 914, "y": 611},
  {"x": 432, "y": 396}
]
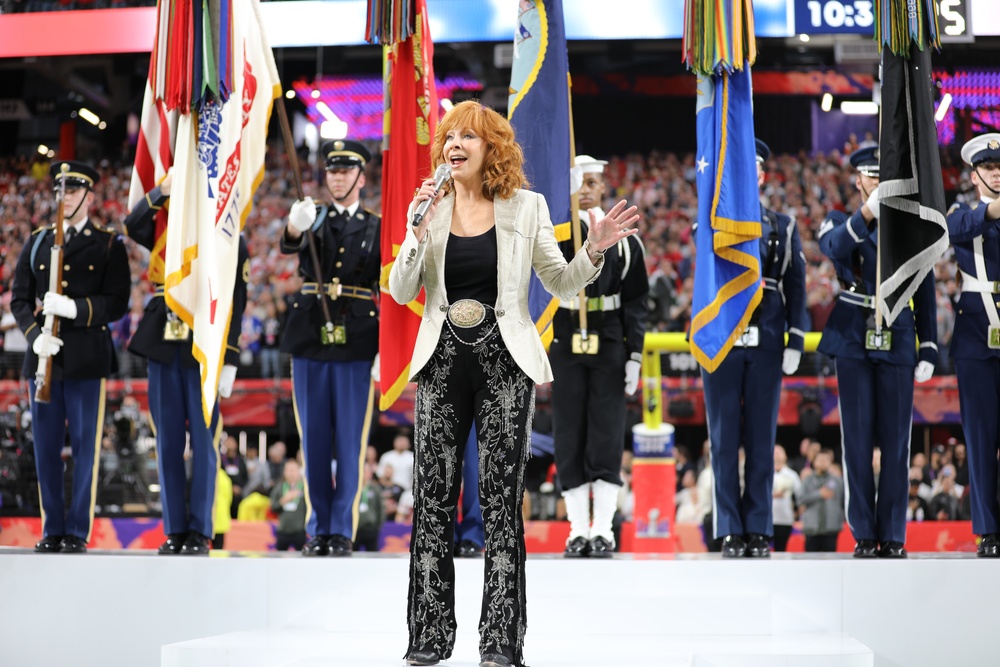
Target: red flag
[{"x": 411, "y": 110}]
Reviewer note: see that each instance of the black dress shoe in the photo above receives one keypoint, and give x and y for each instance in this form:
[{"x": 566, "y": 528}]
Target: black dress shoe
[
  {"x": 71, "y": 544},
  {"x": 866, "y": 549},
  {"x": 196, "y": 544},
  {"x": 733, "y": 546},
  {"x": 316, "y": 546},
  {"x": 495, "y": 660},
  {"x": 578, "y": 547},
  {"x": 601, "y": 547},
  {"x": 758, "y": 546},
  {"x": 340, "y": 545},
  {"x": 989, "y": 546},
  {"x": 51, "y": 544},
  {"x": 892, "y": 550},
  {"x": 423, "y": 658},
  {"x": 468, "y": 549},
  {"x": 172, "y": 545}
]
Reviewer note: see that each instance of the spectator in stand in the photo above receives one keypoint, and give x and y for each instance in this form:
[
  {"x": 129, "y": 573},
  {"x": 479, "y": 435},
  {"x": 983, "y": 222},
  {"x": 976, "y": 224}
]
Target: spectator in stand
[
  {"x": 270, "y": 341},
  {"x": 933, "y": 468},
  {"x": 288, "y": 502},
  {"x": 945, "y": 505},
  {"x": 808, "y": 449},
  {"x": 14, "y": 343},
  {"x": 222, "y": 508},
  {"x": 276, "y": 454},
  {"x": 689, "y": 509},
  {"x": 786, "y": 488},
  {"x": 256, "y": 493},
  {"x": 823, "y": 500},
  {"x": 916, "y": 509},
  {"x": 236, "y": 469},
  {"x": 250, "y": 336},
  {"x": 396, "y": 465},
  {"x": 683, "y": 465},
  {"x": 371, "y": 512},
  {"x": 961, "y": 463},
  {"x": 919, "y": 462}
]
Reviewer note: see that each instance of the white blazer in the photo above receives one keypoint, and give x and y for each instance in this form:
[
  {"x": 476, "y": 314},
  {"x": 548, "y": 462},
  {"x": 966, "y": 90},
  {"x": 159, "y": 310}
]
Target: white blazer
[{"x": 525, "y": 240}]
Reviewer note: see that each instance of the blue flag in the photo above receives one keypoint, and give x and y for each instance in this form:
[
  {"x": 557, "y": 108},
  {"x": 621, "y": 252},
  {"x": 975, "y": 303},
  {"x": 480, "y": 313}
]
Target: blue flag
[
  {"x": 727, "y": 283},
  {"x": 538, "y": 109}
]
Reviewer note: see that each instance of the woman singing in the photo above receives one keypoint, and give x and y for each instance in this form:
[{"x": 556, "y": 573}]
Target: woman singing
[{"x": 478, "y": 357}]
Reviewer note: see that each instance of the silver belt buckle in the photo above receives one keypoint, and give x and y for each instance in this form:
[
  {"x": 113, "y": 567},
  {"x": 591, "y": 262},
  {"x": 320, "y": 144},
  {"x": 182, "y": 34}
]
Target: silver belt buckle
[
  {"x": 749, "y": 338},
  {"x": 466, "y": 313}
]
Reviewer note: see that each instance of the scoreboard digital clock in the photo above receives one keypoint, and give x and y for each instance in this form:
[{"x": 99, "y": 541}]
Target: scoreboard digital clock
[{"x": 825, "y": 17}]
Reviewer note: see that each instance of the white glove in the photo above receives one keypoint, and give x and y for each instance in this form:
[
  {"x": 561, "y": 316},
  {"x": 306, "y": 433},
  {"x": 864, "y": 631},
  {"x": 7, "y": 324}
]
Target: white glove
[
  {"x": 872, "y": 202},
  {"x": 790, "y": 361},
  {"x": 302, "y": 215},
  {"x": 632, "y": 370},
  {"x": 376, "y": 369},
  {"x": 46, "y": 345},
  {"x": 925, "y": 370},
  {"x": 59, "y": 305},
  {"x": 226, "y": 380}
]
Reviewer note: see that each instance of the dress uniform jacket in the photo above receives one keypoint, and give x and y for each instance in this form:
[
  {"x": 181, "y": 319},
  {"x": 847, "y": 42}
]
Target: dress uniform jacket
[
  {"x": 349, "y": 250},
  {"x": 96, "y": 276},
  {"x": 743, "y": 393},
  {"x": 849, "y": 243},
  {"x": 148, "y": 338},
  {"x": 976, "y": 241}
]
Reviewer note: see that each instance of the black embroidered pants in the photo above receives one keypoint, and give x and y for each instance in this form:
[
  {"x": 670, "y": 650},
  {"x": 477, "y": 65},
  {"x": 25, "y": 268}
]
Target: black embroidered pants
[{"x": 471, "y": 376}]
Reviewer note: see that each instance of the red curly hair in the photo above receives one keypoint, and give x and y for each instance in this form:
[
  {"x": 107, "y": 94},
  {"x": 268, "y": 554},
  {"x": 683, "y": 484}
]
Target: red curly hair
[{"x": 503, "y": 160}]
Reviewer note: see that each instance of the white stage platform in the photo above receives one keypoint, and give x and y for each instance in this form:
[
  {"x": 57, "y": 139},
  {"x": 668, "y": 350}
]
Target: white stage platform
[{"x": 134, "y": 609}]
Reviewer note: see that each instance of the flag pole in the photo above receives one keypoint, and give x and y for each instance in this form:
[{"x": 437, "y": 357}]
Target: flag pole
[
  {"x": 577, "y": 224},
  {"x": 293, "y": 161}
]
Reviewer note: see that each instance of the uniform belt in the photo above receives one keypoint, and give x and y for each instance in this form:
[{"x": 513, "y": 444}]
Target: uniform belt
[
  {"x": 158, "y": 291},
  {"x": 970, "y": 284},
  {"x": 855, "y": 299},
  {"x": 338, "y": 290},
  {"x": 594, "y": 304}
]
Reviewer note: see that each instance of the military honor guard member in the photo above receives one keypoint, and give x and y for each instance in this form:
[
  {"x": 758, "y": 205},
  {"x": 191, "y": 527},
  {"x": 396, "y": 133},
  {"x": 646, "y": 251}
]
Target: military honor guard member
[
  {"x": 175, "y": 395},
  {"x": 95, "y": 289},
  {"x": 875, "y": 373},
  {"x": 975, "y": 343},
  {"x": 592, "y": 376},
  {"x": 743, "y": 394},
  {"x": 331, "y": 369}
]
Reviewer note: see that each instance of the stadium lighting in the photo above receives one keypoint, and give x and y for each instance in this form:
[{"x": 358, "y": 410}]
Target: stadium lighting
[
  {"x": 89, "y": 116},
  {"x": 803, "y": 37},
  {"x": 43, "y": 149},
  {"x": 942, "y": 109},
  {"x": 827, "y": 102},
  {"x": 327, "y": 112},
  {"x": 51, "y": 154},
  {"x": 315, "y": 94},
  {"x": 446, "y": 104},
  {"x": 102, "y": 125},
  {"x": 290, "y": 94},
  {"x": 859, "y": 108},
  {"x": 333, "y": 129}
]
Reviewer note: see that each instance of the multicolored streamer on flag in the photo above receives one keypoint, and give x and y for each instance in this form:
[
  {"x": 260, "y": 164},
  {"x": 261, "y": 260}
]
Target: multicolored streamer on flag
[
  {"x": 719, "y": 46},
  {"x": 905, "y": 23},
  {"x": 212, "y": 82},
  {"x": 411, "y": 114},
  {"x": 391, "y": 21},
  {"x": 718, "y": 35}
]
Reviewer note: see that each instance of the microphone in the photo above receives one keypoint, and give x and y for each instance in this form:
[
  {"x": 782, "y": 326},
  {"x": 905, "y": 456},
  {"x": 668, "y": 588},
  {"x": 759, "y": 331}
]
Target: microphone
[{"x": 441, "y": 176}]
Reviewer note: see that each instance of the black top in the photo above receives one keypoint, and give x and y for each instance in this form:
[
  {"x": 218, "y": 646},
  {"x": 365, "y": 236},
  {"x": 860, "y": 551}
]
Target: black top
[{"x": 470, "y": 267}]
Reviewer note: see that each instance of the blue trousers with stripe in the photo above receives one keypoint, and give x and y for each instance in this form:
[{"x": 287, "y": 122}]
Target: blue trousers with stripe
[
  {"x": 979, "y": 397},
  {"x": 76, "y": 406},
  {"x": 470, "y": 528},
  {"x": 741, "y": 406},
  {"x": 876, "y": 407},
  {"x": 175, "y": 406},
  {"x": 333, "y": 408}
]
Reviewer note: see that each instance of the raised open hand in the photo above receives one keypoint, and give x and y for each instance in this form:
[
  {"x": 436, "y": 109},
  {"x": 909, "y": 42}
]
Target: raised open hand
[{"x": 613, "y": 227}]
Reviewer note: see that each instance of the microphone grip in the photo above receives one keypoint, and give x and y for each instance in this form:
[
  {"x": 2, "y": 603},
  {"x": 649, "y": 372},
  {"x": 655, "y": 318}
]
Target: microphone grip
[{"x": 441, "y": 177}]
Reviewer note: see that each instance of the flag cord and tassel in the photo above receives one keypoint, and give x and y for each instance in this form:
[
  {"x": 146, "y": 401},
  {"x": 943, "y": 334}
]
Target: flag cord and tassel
[{"x": 293, "y": 162}]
